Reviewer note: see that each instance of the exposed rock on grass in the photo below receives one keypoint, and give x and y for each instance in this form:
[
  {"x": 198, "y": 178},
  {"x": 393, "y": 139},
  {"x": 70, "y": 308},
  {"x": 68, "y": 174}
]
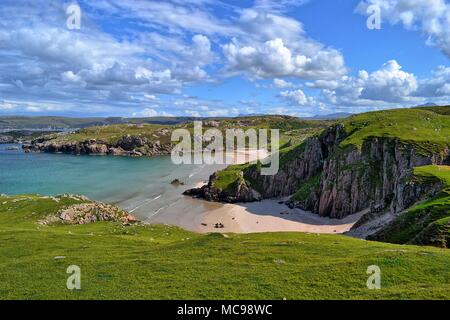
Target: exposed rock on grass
[{"x": 89, "y": 213}]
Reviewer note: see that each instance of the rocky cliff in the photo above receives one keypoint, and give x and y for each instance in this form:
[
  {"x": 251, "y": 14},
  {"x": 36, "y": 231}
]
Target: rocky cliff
[
  {"x": 342, "y": 178},
  {"x": 128, "y": 145}
]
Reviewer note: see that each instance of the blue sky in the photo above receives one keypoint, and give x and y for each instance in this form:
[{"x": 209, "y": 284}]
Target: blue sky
[{"x": 222, "y": 58}]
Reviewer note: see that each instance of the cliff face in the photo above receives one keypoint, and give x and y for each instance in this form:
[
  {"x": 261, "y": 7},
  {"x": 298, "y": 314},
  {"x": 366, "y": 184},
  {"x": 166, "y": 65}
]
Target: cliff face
[
  {"x": 377, "y": 176},
  {"x": 126, "y": 146}
]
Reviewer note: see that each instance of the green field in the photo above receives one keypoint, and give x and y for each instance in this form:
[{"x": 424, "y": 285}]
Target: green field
[{"x": 161, "y": 262}]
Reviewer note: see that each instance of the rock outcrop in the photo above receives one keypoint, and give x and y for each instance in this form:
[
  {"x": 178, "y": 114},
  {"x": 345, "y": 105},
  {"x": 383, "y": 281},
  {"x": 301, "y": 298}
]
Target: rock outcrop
[
  {"x": 85, "y": 213},
  {"x": 240, "y": 192},
  {"x": 127, "y": 145},
  {"x": 7, "y": 139}
]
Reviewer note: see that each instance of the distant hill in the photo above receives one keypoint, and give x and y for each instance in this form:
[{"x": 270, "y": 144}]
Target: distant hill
[
  {"x": 331, "y": 116},
  {"x": 55, "y": 123},
  {"x": 64, "y": 123},
  {"x": 444, "y": 110},
  {"x": 428, "y": 104}
]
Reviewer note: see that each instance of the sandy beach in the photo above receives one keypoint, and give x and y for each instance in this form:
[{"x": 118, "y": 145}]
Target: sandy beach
[{"x": 271, "y": 215}]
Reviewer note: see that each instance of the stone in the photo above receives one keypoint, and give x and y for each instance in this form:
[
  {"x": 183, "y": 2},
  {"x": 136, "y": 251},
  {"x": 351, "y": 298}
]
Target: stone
[{"x": 177, "y": 182}]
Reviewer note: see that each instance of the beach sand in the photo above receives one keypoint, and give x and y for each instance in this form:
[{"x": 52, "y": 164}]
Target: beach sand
[
  {"x": 271, "y": 216},
  {"x": 265, "y": 216}
]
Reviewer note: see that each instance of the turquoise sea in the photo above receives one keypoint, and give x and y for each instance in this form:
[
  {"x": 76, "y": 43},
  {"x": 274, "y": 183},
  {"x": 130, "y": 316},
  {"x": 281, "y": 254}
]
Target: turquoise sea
[{"x": 139, "y": 185}]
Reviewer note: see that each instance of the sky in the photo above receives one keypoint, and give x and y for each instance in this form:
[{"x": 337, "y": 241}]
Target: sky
[{"x": 212, "y": 58}]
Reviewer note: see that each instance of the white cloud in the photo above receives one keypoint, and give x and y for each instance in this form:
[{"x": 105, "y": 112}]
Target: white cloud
[
  {"x": 6, "y": 106},
  {"x": 69, "y": 76},
  {"x": 431, "y": 17},
  {"x": 174, "y": 16},
  {"x": 389, "y": 84},
  {"x": 274, "y": 59},
  {"x": 223, "y": 112},
  {"x": 298, "y": 97},
  {"x": 437, "y": 85},
  {"x": 171, "y": 45},
  {"x": 147, "y": 112},
  {"x": 192, "y": 113},
  {"x": 283, "y": 84},
  {"x": 150, "y": 97}
]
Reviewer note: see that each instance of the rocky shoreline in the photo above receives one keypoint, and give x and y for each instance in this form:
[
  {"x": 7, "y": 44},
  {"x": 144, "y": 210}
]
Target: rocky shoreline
[
  {"x": 5, "y": 139},
  {"x": 128, "y": 145}
]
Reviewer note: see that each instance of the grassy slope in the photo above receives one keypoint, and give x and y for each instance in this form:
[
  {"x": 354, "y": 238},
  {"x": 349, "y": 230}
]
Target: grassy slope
[
  {"x": 424, "y": 128},
  {"x": 160, "y": 262},
  {"x": 429, "y": 222}
]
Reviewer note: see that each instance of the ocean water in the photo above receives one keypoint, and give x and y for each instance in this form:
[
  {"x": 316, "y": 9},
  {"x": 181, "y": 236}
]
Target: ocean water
[{"x": 139, "y": 185}]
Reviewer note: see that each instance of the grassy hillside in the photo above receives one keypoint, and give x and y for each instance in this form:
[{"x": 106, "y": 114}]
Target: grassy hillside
[
  {"x": 292, "y": 130},
  {"x": 427, "y": 223},
  {"x": 161, "y": 262},
  {"x": 428, "y": 129}
]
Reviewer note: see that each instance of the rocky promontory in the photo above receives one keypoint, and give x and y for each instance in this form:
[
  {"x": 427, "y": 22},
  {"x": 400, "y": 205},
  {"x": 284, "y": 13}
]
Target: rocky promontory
[
  {"x": 239, "y": 192},
  {"x": 5, "y": 139},
  {"x": 127, "y": 145}
]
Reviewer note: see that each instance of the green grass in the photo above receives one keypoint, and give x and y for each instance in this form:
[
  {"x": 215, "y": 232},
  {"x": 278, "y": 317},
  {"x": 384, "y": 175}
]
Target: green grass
[
  {"x": 228, "y": 179},
  {"x": 439, "y": 172},
  {"x": 428, "y": 222},
  {"x": 306, "y": 188},
  {"x": 162, "y": 262},
  {"x": 427, "y": 130}
]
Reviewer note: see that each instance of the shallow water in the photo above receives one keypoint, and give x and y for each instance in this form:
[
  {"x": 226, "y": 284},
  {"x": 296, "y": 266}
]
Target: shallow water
[{"x": 139, "y": 185}]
